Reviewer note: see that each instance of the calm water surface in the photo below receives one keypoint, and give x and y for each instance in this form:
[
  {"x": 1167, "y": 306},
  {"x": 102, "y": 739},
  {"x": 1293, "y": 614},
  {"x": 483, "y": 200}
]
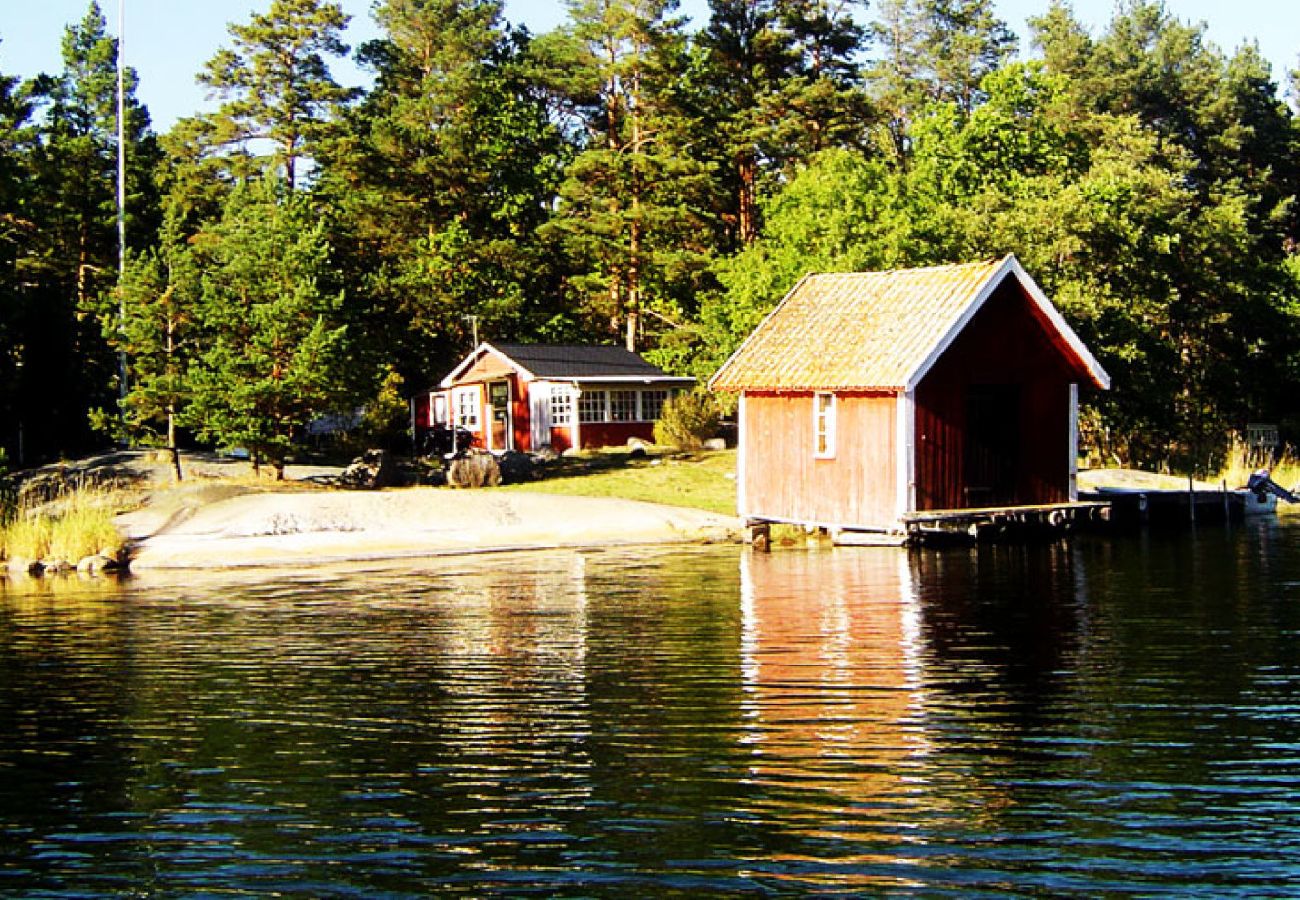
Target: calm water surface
[{"x": 1107, "y": 717}]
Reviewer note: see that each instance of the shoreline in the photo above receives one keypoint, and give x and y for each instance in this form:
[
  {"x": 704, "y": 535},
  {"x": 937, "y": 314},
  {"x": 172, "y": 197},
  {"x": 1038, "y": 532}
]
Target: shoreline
[{"x": 279, "y": 530}]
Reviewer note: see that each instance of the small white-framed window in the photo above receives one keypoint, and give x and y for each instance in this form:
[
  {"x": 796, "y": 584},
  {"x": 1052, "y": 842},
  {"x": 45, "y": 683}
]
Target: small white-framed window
[
  {"x": 823, "y": 425},
  {"x": 561, "y": 406},
  {"x": 591, "y": 406},
  {"x": 622, "y": 406},
  {"x": 466, "y": 402}
]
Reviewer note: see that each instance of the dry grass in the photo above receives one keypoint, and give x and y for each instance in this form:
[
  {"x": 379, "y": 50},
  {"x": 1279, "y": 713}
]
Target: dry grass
[
  {"x": 1283, "y": 467},
  {"x": 76, "y": 525}
]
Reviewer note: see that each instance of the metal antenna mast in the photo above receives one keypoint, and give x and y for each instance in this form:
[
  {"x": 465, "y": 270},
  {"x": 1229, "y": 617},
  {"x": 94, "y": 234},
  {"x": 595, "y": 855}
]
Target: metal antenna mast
[{"x": 121, "y": 194}]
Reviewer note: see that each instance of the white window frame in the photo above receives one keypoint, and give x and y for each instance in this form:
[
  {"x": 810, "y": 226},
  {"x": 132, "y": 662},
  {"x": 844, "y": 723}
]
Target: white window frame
[
  {"x": 562, "y": 406},
  {"x": 626, "y": 396},
  {"x": 642, "y": 403},
  {"x": 824, "y": 424},
  {"x": 466, "y": 406},
  {"x": 603, "y": 409}
]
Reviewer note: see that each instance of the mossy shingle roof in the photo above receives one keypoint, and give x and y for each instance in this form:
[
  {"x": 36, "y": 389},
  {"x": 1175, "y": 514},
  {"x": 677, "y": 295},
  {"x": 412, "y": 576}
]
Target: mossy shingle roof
[{"x": 876, "y": 330}]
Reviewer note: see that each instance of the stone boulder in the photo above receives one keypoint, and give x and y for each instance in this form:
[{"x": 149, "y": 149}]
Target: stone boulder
[
  {"x": 476, "y": 468},
  {"x": 516, "y": 467},
  {"x": 371, "y": 470}
]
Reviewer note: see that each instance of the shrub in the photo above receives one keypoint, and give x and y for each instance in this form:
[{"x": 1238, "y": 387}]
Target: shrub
[{"x": 688, "y": 420}]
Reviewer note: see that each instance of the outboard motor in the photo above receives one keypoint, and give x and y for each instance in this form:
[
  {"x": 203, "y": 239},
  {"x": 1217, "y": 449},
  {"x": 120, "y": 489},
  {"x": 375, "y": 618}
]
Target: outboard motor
[{"x": 1261, "y": 482}]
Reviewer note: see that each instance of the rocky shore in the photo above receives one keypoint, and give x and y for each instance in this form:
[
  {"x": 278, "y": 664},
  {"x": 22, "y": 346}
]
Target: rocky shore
[{"x": 293, "y": 529}]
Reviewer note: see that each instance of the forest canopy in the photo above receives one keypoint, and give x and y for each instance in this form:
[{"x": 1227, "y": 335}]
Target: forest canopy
[{"x": 632, "y": 177}]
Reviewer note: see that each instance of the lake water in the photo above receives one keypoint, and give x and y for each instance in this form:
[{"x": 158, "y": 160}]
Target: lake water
[{"x": 1101, "y": 717}]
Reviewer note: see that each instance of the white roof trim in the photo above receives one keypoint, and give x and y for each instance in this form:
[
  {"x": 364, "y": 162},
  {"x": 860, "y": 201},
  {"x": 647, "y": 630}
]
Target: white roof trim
[
  {"x": 473, "y": 357},
  {"x": 1009, "y": 266},
  {"x": 741, "y": 349}
]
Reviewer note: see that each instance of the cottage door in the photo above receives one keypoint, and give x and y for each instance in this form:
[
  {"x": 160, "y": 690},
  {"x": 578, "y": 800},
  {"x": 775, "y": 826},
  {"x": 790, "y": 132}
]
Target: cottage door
[
  {"x": 539, "y": 399},
  {"x": 992, "y": 457},
  {"x": 499, "y": 406}
]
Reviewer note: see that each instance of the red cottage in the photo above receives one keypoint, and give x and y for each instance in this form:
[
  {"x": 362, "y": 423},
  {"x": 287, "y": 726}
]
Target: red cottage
[
  {"x": 527, "y": 396},
  {"x": 867, "y": 398}
]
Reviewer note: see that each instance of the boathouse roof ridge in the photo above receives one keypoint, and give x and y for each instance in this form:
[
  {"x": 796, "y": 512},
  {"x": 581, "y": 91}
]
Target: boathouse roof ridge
[{"x": 880, "y": 330}]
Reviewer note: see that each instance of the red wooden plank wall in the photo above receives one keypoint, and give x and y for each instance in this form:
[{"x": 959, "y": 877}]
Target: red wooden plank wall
[{"x": 1005, "y": 343}]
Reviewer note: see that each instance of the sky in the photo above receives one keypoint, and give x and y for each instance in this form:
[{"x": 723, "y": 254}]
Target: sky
[{"x": 167, "y": 41}]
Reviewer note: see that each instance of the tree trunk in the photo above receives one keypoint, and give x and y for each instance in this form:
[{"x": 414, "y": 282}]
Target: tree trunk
[
  {"x": 171, "y": 445},
  {"x": 746, "y": 199}
]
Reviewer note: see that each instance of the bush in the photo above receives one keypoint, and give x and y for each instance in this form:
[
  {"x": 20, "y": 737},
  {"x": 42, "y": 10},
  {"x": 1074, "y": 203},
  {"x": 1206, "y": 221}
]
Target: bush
[{"x": 688, "y": 420}]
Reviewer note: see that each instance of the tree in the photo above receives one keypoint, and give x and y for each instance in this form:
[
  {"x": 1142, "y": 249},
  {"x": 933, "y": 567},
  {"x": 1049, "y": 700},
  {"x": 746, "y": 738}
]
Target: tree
[
  {"x": 632, "y": 212},
  {"x": 963, "y": 42},
  {"x": 274, "y": 355},
  {"x": 70, "y": 258},
  {"x": 160, "y": 293},
  {"x": 16, "y": 229},
  {"x": 275, "y": 85},
  {"x": 442, "y": 176},
  {"x": 933, "y": 51},
  {"x": 770, "y": 82}
]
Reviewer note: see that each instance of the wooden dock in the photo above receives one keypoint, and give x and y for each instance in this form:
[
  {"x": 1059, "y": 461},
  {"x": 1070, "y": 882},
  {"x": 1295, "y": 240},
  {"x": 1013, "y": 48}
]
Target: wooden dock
[
  {"x": 1097, "y": 510},
  {"x": 1136, "y": 508},
  {"x": 1047, "y": 520}
]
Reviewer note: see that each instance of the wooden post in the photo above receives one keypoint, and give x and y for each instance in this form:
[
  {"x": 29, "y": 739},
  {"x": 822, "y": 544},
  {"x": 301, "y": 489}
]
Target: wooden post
[{"x": 1191, "y": 498}]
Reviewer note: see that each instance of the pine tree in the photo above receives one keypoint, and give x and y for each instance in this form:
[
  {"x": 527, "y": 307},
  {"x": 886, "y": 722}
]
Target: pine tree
[
  {"x": 160, "y": 293},
  {"x": 632, "y": 210},
  {"x": 16, "y": 229},
  {"x": 275, "y": 85},
  {"x": 964, "y": 41},
  {"x": 274, "y": 354},
  {"x": 444, "y": 173},
  {"x": 71, "y": 258}
]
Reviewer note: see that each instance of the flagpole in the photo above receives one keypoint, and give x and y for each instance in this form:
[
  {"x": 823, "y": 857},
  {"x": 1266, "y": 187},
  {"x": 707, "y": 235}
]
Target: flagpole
[{"x": 121, "y": 197}]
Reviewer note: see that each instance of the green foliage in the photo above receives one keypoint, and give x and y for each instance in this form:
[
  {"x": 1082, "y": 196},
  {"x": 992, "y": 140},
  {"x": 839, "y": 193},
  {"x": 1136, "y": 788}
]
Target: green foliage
[
  {"x": 386, "y": 419},
  {"x": 688, "y": 420},
  {"x": 441, "y": 177},
  {"x": 625, "y": 174},
  {"x": 65, "y": 262},
  {"x": 274, "y": 353},
  {"x": 275, "y": 82}
]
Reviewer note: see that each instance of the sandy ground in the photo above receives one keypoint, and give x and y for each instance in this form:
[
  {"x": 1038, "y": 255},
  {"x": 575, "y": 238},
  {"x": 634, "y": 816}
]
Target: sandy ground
[{"x": 1136, "y": 479}]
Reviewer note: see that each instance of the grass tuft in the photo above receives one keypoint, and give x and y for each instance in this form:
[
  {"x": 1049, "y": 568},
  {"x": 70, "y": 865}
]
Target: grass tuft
[{"x": 78, "y": 525}]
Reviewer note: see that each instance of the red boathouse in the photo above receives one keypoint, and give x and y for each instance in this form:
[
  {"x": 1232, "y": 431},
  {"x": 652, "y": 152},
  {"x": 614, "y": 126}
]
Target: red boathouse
[
  {"x": 528, "y": 396},
  {"x": 870, "y": 397}
]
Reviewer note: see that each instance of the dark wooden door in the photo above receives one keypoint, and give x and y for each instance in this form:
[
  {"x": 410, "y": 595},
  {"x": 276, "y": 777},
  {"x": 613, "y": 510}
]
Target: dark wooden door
[{"x": 992, "y": 457}]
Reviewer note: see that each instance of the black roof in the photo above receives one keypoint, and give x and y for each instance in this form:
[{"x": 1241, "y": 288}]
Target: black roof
[{"x": 578, "y": 361}]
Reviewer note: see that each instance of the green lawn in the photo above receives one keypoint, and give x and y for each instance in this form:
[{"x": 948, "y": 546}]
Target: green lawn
[{"x": 700, "y": 480}]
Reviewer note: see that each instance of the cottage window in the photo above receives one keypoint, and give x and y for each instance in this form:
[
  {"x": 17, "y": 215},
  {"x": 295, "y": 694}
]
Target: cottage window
[
  {"x": 622, "y": 406},
  {"x": 561, "y": 406},
  {"x": 652, "y": 405},
  {"x": 823, "y": 426},
  {"x": 591, "y": 406},
  {"x": 466, "y": 401}
]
